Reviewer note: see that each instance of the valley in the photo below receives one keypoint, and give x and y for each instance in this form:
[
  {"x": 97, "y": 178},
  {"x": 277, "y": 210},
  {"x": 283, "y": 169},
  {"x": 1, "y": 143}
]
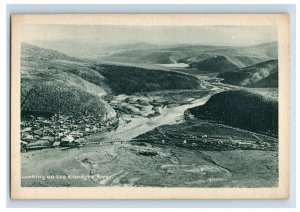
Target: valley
[{"x": 172, "y": 120}]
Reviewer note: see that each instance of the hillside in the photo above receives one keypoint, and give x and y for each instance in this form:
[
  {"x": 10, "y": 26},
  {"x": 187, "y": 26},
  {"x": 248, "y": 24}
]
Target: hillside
[
  {"x": 265, "y": 49},
  {"x": 269, "y": 82},
  {"x": 263, "y": 74},
  {"x": 62, "y": 93},
  {"x": 215, "y": 64},
  {"x": 128, "y": 80},
  {"x": 53, "y": 82},
  {"x": 246, "y": 109}
]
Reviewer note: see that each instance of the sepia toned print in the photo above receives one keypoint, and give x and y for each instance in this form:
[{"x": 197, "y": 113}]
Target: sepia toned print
[{"x": 150, "y": 106}]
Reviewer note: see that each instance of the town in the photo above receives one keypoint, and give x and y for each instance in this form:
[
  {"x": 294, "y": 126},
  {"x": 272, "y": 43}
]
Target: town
[{"x": 61, "y": 131}]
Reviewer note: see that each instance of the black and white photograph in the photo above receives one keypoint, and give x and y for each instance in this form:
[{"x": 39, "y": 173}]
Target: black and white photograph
[{"x": 149, "y": 105}]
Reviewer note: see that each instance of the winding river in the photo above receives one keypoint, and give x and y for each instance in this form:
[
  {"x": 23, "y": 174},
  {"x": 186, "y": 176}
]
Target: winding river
[{"x": 140, "y": 125}]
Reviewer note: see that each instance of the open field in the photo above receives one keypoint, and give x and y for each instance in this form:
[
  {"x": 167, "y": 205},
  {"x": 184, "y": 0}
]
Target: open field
[{"x": 124, "y": 164}]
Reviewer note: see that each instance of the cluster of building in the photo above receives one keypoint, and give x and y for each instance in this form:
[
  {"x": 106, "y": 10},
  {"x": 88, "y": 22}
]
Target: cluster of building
[{"x": 61, "y": 130}]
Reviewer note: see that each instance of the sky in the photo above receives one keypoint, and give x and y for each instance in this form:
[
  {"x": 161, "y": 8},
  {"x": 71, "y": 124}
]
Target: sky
[{"x": 77, "y": 40}]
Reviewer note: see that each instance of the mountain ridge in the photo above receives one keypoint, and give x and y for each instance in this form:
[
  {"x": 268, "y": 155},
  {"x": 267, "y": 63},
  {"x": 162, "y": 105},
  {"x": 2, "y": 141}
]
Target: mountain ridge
[
  {"x": 255, "y": 75},
  {"x": 53, "y": 81}
]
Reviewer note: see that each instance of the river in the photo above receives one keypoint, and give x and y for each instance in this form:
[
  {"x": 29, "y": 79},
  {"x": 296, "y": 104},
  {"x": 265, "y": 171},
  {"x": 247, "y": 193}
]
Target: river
[
  {"x": 139, "y": 125},
  {"x": 175, "y": 64}
]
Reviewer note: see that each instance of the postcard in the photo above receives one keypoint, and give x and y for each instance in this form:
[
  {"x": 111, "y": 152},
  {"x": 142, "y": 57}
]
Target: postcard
[{"x": 150, "y": 106}]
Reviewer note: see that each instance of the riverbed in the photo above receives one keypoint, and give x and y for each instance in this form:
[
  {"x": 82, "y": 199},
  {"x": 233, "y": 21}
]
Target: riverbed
[{"x": 139, "y": 124}]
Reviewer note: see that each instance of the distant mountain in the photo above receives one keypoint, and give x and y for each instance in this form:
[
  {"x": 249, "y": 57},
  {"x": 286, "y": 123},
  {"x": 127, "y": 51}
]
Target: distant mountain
[
  {"x": 263, "y": 74},
  {"x": 265, "y": 50},
  {"x": 31, "y": 52},
  {"x": 240, "y": 56}
]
